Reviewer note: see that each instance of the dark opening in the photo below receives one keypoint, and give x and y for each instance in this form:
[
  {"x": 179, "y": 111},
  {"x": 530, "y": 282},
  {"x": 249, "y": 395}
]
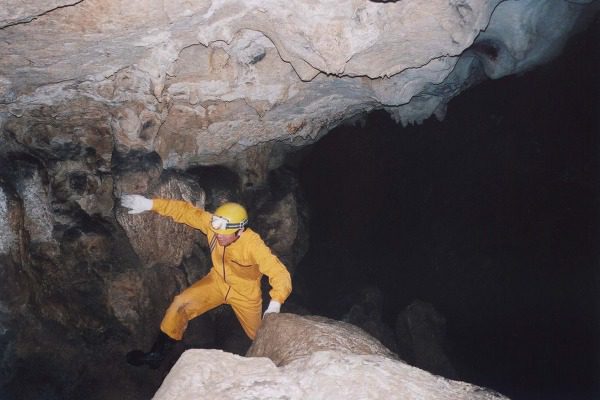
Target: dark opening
[{"x": 492, "y": 216}]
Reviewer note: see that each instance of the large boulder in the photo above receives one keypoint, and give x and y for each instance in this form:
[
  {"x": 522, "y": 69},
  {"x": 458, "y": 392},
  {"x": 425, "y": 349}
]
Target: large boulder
[
  {"x": 287, "y": 337},
  {"x": 323, "y": 359}
]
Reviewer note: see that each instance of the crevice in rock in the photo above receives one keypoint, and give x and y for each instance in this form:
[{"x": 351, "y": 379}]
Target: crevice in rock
[{"x": 32, "y": 18}]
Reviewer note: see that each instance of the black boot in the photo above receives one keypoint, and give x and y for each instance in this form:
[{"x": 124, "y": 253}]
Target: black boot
[{"x": 155, "y": 356}]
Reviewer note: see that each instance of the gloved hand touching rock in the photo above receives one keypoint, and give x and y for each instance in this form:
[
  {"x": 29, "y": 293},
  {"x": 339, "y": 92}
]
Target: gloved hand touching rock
[
  {"x": 274, "y": 307},
  {"x": 136, "y": 203}
]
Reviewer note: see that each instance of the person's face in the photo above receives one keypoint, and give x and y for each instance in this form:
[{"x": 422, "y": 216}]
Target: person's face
[{"x": 226, "y": 239}]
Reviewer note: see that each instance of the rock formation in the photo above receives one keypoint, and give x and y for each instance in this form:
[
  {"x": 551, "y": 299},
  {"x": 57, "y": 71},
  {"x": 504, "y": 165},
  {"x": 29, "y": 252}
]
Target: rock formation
[
  {"x": 204, "y": 82},
  {"x": 367, "y": 314},
  {"x": 285, "y": 338},
  {"x": 421, "y": 335},
  {"x": 324, "y": 360}
]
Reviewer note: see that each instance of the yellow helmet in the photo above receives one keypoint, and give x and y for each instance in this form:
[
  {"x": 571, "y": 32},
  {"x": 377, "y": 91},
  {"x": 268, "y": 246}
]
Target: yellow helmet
[{"x": 229, "y": 218}]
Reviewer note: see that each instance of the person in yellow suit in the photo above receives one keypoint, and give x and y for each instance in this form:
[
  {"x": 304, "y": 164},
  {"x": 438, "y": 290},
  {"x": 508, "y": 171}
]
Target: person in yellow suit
[{"x": 239, "y": 260}]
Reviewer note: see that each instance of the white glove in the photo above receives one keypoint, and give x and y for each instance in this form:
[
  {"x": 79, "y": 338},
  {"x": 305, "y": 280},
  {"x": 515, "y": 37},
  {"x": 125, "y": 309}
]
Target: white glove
[
  {"x": 136, "y": 203},
  {"x": 274, "y": 307}
]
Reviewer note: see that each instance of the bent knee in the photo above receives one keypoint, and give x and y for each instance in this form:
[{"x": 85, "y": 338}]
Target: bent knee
[{"x": 179, "y": 301}]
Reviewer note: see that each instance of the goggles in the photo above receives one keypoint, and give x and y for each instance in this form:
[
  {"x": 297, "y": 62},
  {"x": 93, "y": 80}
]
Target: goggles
[{"x": 220, "y": 223}]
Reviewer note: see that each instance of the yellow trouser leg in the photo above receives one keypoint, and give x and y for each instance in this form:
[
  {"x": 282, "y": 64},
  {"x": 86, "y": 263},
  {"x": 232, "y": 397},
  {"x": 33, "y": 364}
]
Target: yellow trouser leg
[
  {"x": 202, "y": 296},
  {"x": 247, "y": 311}
]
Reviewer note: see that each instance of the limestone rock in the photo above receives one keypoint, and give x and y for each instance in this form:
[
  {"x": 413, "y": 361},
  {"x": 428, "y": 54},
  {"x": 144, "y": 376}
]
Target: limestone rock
[
  {"x": 138, "y": 298},
  {"x": 157, "y": 239},
  {"x": 13, "y": 255},
  {"x": 280, "y": 216},
  {"x": 287, "y": 337},
  {"x": 12, "y": 240},
  {"x": 421, "y": 333},
  {"x": 324, "y": 359},
  {"x": 200, "y": 83},
  {"x": 32, "y": 186},
  {"x": 508, "y": 46},
  {"x": 367, "y": 314}
]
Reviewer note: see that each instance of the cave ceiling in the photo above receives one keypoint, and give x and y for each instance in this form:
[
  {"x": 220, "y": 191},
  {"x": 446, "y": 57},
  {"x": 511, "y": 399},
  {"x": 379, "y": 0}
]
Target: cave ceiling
[{"x": 201, "y": 82}]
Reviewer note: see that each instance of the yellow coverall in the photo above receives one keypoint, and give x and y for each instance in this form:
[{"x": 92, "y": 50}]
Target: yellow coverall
[{"x": 234, "y": 278}]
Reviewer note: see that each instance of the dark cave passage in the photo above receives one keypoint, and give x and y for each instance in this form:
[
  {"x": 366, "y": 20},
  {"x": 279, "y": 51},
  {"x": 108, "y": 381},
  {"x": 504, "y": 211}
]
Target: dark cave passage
[{"x": 492, "y": 216}]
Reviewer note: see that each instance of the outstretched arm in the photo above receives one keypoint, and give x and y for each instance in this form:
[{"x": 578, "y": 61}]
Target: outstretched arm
[{"x": 179, "y": 210}]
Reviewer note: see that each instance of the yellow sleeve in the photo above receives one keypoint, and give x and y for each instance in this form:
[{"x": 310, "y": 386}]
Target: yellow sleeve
[
  {"x": 268, "y": 264},
  {"x": 183, "y": 212}
]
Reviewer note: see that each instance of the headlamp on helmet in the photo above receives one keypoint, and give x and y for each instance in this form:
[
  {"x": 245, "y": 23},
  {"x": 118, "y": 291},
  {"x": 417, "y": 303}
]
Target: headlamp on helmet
[
  {"x": 220, "y": 224},
  {"x": 229, "y": 218}
]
